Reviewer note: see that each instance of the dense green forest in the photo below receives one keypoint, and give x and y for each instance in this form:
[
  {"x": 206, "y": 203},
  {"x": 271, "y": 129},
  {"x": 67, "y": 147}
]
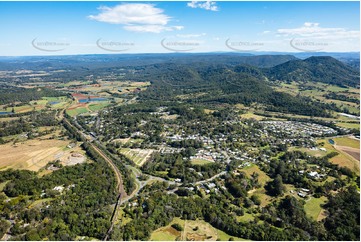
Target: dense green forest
[
  {"x": 316, "y": 69},
  {"x": 82, "y": 209},
  {"x": 220, "y": 85},
  {"x": 11, "y": 94}
]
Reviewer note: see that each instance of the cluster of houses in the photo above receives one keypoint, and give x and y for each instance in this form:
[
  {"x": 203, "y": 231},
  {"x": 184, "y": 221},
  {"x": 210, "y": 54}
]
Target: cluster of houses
[
  {"x": 298, "y": 129},
  {"x": 303, "y": 192},
  {"x": 315, "y": 174},
  {"x": 210, "y": 150}
]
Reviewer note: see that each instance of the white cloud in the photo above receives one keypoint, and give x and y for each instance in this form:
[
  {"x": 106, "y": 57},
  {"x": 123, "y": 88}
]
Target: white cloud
[
  {"x": 151, "y": 28},
  {"x": 207, "y": 5},
  {"x": 137, "y": 17},
  {"x": 190, "y": 35},
  {"x": 315, "y": 31}
]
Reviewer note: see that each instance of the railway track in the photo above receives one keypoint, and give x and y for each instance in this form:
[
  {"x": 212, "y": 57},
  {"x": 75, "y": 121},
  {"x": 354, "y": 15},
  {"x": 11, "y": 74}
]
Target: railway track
[{"x": 120, "y": 188}]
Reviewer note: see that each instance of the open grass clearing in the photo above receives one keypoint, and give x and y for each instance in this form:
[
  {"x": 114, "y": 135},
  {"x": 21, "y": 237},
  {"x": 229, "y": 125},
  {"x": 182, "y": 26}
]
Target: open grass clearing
[
  {"x": 343, "y": 158},
  {"x": 34, "y": 105},
  {"x": 2, "y": 185},
  {"x": 316, "y": 153},
  {"x": 200, "y": 162},
  {"x": 77, "y": 111},
  {"x": 123, "y": 218},
  {"x": 346, "y": 141},
  {"x": 37, "y": 153},
  {"x": 196, "y": 230},
  {"x": 313, "y": 207},
  {"x": 97, "y": 106},
  {"x": 348, "y": 125},
  {"x": 31, "y": 154},
  {"x": 138, "y": 156},
  {"x": 247, "y": 217},
  {"x": 250, "y": 115},
  {"x": 39, "y": 203},
  {"x": 262, "y": 176}
]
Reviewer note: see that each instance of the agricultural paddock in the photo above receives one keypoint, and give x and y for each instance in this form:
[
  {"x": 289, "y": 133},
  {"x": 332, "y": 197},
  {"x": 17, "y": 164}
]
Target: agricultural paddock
[
  {"x": 31, "y": 155},
  {"x": 346, "y": 154},
  {"x": 36, "y": 153},
  {"x": 347, "y": 141},
  {"x": 138, "y": 156},
  {"x": 318, "y": 90},
  {"x": 195, "y": 230},
  {"x": 250, "y": 115},
  {"x": 313, "y": 208},
  {"x": 200, "y": 162},
  {"x": 349, "y": 125}
]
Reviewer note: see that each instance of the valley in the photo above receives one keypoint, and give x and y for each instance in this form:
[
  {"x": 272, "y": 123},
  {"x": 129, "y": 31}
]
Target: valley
[{"x": 187, "y": 149}]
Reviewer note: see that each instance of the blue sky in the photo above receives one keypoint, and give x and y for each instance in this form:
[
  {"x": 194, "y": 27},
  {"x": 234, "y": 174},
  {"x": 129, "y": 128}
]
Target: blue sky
[{"x": 60, "y": 28}]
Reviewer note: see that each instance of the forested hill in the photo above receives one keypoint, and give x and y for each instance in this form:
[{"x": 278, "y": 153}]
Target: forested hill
[
  {"x": 220, "y": 84},
  {"x": 316, "y": 69}
]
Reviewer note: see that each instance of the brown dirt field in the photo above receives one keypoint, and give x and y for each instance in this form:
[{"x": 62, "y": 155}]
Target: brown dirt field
[
  {"x": 355, "y": 153},
  {"x": 323, "y": 214},
  {"x": 204, "y": 230},
  {"x": 30, "y": 155},
  {"x": 172, "y": 231},
  {"x": 8, "y": 118},
  {"x": 344, "y": 159},
  {"x": 79, "y": 105},
  {"x": 82, "y": 96},
  {"x": 348, "y": 157}
]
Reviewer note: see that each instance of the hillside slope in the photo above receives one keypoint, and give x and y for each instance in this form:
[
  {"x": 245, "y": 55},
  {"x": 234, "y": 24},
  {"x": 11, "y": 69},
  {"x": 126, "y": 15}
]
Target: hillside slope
[{"x": 316, "y": 69}]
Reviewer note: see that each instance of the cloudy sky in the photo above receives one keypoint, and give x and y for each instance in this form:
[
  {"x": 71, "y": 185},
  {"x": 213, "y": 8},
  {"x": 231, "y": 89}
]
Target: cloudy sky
[{"x": 60, "y": 28}]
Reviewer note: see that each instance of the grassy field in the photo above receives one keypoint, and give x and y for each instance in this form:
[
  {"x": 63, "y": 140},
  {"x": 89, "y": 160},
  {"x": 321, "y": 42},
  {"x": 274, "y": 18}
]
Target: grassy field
[
  {"x": 165, "y": 234},
  {"x": 36, "y": 153},
  {"x": 262, "y": 178},
  {"x": 197, "y": 230},
  {"x": 348, "y": 125},
  {"x": 342, "y": 159},
  {"x": 31, "y": 155},
  {"x": 313, "y": 207},
  {"x": 138, "y": 156},
  {"x": 40, "y": 202},
  {"x": 345, "y": 141},
  {"x": 2, "y": 185},
  {"x": 3, "y": 119},
  {"x": 97, "y": 106},
  {"x": 119, "y": 87},
  {"x": 250, "y": 115},
  {"x": 59, "y": 105},
  {"x": 316, "y": 153},
  {"x": 77, "y": 111},
  {"x": 56, "y": 99},
  {"x": 25, "y": 108},
  {"x": 38, "y": 104},
  {"x": 123, "y": 217},
  {"x": 247, "y": 217},
  {"x": 318, "y": 90},
  {"x": 200, "y": 162}
]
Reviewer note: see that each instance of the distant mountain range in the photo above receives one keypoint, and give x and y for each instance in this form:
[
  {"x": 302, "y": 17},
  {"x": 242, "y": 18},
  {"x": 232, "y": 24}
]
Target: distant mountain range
[
  {"x": 287, "y": 68},
  {"x": 259, "y": 59}
]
